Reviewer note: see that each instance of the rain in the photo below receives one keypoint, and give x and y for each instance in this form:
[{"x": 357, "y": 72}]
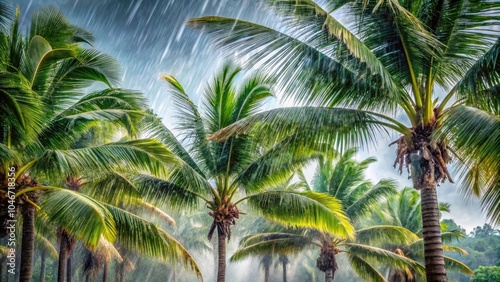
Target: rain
[{"x": 149, "y": 38}]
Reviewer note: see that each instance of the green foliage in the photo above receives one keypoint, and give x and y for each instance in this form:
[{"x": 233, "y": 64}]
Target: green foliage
[{"x": 486, "y": 274}]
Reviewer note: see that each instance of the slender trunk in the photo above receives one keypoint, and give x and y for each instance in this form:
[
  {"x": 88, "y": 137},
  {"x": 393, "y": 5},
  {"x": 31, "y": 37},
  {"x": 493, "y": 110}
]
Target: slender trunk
[
  {"x": 221, "y": 271},
  {"x": 63, "y": 258},
  {"x": 284, "y": 271},
  {"x": 266, "y": 273},
  {"x": 87, "y": 277},
  {"x": 433, "y": 247},
  {"x": 105, "y": 272},
  {"x": 69, "y": 271},
  {"x": 329, "y": 275},
  {"x": 42, "y": 267},
  {"x": 215, "y": 252},
  {"x": 27, "y": 243}
]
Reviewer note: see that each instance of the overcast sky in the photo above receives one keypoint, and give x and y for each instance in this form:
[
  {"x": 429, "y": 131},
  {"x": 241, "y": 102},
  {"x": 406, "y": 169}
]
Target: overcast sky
[{"x": 149, "y": 38}]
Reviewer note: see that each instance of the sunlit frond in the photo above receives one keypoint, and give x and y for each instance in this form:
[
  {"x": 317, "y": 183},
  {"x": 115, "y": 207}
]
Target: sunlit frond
[
  {"x": 380, "y": 234},
  {"x": 303, "y": 209}
]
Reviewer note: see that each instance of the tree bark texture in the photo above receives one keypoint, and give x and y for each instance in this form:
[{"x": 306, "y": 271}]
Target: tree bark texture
[
  {"x": 63, "y": 259},
  {"x": 105, "y": 272},
  {"x": 329, "y": 275},
  {"x": 69, "y": 269},
  {"x": 433, "y": 247},
  {"x": 27, "y": 243},
  {"x": 221, "y": 269}
]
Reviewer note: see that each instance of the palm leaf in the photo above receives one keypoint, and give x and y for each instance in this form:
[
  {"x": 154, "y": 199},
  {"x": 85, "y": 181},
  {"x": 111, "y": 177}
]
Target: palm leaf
[
  {"x": 375, "y": 194},
  {"x": 270, "y": 243},
  {"x": 384, "y": 257},
  {"x": 144, "y": 154},
  {"x": 160, "y": 191},
  {"x": 191, "y": 124},
  {"x": 137, "y": 234},
  {"x": 364, "y": 269},
  {"x": 67, "y": 208},
  {"x": 303, "y": 209},
  {"x": 456, "y": 265},
  {"x": 45, "y": 245},
  {"x": 154, "y": 128},
  {"x": 473, "y": 135},
  {"x": 342, "y": 127},
  {"x": 304, "y": 65},
  {"x": 385, "y": 234}
]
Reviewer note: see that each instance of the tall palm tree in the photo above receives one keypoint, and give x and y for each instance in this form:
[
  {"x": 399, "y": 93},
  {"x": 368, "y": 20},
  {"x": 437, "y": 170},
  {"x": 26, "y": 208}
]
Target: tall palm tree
[
  {"x": 366, "y": 63},
  {"x": 44, "y": 111},
  {"x": 344, "y": 179},
  {"x": 224, "y": 174}
]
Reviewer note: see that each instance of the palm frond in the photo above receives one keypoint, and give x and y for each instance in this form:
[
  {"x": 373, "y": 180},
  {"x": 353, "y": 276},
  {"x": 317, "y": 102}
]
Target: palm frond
[
  {"x": 383, "y": 257},
  {"x": 45, "y": 245},
  {"x": 72, "y": 75},
  {"x": 68, "y": 209},
  {"x": 160, "y": 191},
  {"x": 22, "y": 111},
  {"x": 380, "y": 234},
  {"x": 137, "y": 234},
  {"x": 51, "y": 24},
  {"x": 453, "y": 264},
  {"x": 296, "y": 56},
  {"x": 375, "y": 194},
  {"x": 276, "y": 165},
  {"x": 113, "y": 188},
  {"x": 364, "y": 269},
  {"x": 39, "y": 59},
  {"x": 475, "y": 87},
  {"x": 153, "y": 127},
  {"x": 343, "y": 128},
  {"x": 191, "y": 124},
  {"x": 303, "y": 209},
  {"x": 473, "y": 135},
  {"x": 270, "y": 243},
  {"x": 143, "y": 155},
  {"x": 5, "y": 15}
]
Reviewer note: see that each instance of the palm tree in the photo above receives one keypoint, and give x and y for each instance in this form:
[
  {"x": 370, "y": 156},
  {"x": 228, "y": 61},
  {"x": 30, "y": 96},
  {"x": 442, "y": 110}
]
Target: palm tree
[
  {"x": 344, "y": 179},
  {"x": 366, "y": 63},
  {"x": 403, "y": 209},
  {"x": 44, "y": 111},
  {"x": 225, "y": 174}
]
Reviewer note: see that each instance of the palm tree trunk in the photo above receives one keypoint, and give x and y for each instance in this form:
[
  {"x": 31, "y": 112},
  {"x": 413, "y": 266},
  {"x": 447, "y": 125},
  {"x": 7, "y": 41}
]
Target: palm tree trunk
[
  {"x": 69, "y": 271},
  {"x": 105, "y": 272},
  {"x": 266, "y": 273},
  {"x": 63, "y": 258},
  {"x": 27, "y": 243},
  {"x": 284, "y": 271},
  {"x": 221, "y": 270},
  {"x": 329, "y": 275},
  {"x": 42, "y": 267},
  {"x": 433, "y": 247}
]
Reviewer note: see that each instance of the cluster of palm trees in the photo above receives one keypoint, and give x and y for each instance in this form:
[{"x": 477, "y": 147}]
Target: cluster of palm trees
[{"x": 90, "y": 165}]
